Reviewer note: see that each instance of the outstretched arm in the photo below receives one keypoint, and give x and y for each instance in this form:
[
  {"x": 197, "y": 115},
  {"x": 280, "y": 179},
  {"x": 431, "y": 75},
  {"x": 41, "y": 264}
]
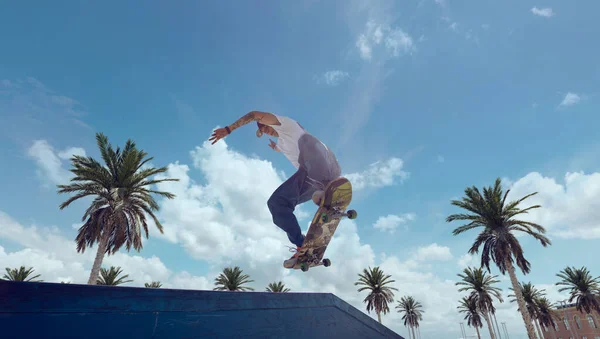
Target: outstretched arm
[{"x": 263, "y": 117}]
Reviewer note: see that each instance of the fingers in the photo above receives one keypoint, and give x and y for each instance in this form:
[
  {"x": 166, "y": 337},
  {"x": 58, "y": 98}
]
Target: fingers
[{"x": 215, "y": 137}]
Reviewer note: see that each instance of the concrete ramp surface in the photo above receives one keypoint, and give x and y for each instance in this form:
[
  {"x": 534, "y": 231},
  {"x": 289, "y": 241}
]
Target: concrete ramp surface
[{"x": 51, "y": 310}]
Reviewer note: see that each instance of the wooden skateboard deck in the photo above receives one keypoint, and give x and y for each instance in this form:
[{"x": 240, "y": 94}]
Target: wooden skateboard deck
[{"x": 332, "y": 208}]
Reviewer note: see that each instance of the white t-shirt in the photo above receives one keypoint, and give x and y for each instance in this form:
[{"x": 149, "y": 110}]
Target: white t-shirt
[{"x": 289, "y": 132}]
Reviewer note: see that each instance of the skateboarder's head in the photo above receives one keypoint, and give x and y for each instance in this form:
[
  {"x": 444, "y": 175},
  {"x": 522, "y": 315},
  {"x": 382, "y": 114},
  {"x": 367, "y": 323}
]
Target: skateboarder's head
[{"x": 266, "y": 129}]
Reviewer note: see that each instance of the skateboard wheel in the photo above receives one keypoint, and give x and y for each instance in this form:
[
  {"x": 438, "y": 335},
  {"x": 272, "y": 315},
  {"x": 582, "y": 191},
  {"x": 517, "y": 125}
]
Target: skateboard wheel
[
  {"x": 351, "y": 214},
  {"x": 304, "y": 267},
  {"x": 326, "y": 262},
  {"x": 324, "y": 217}
]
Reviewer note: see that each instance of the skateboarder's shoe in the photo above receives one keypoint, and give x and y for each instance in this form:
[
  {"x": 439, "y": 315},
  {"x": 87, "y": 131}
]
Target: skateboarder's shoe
[
  {"x": 292, "y": 261},
  {"x": 317, "y": 197}
]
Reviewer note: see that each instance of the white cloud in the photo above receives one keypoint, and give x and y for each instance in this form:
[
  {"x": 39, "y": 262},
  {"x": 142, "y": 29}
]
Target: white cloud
[
  {"x": 398, "y": 42},
  {"x": 332, "y": 78},
  {"x": 544, "y": 12},
  {"x": 485, "y": 26},
  {"x": 570, "y": 99},
  {"x": 468, "y": 260},
  {"x": 395, "y": 40},
  {"x": 49, "y": 162},
  {"x": 569, "y": 210},
  {"x": 391, "y": 222},
  {"x": 55, "y": 257},
  {"x": 379, "y": 174},
  {"x": 71, "y": 151},
  {"x": 433, "y": 252},
  {"x": 440, "y": 158}
]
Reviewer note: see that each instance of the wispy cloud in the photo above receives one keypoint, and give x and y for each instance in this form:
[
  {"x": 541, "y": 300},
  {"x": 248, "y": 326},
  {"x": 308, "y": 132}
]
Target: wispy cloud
[
  {"x": 433, "y": 252},
  {"x": 391, "y": 222},
  {"x": 379, "y": 174},
  {"x": 570, "y": 99},
  {"x": 332, "y": 78},
  {"x": 50, "y": 162},
  {"x": 380, "y": 41},
  {"x": 30, "y": 108},
  {"x": 391, "y": 40},
  {"x": 543, "y": 12}
]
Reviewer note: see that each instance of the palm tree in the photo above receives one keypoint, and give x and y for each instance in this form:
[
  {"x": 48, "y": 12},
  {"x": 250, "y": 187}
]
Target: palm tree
[
  {"x": 20, "y": 274},
  {"x": 546, "y": 315},
  {"x": 530, "y": 295},
  {"x": 500, "y": 245},
  {"x": 109, "y": 277},
  {"x": 468, "y": 305},
  {"x": 380, "y": 295},
  {"x": 116, "y": 216},
  {"x": 154, "y": 284},
  {"x": 232, "y": 279},
  {"x": 582, "y": 288},
  {"x": 480, "y": 284},
  {"x": 413, "y": 312},
  {"x": 277, "y": 287}
]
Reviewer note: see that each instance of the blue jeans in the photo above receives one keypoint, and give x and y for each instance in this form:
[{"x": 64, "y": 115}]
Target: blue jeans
[
  {"x": 317, "y": 167},
  {"x": 282, "y": 203}
]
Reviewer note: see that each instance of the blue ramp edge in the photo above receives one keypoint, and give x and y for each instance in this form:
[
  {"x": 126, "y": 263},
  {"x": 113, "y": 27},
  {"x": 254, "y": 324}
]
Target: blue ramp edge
[{"x": 52, "y": 310}]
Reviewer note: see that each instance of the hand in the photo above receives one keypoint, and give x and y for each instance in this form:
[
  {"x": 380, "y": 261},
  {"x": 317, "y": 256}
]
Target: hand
[
  {"x": 217, "y": 135},
  {"x": 273, "y": 145}
]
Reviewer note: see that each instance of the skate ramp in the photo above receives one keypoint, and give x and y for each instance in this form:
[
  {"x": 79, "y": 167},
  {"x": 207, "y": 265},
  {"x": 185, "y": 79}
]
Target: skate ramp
[{"x": 51, "y": 310}]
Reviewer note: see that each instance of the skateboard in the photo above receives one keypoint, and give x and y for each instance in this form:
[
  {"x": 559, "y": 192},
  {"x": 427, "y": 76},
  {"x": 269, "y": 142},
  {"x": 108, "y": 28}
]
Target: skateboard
[{"x": 332, "y": 208}]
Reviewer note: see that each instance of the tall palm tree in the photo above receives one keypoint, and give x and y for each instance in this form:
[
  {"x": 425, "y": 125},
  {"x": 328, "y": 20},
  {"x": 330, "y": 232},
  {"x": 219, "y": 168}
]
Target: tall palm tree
[
  {"x": 480, "y": 284},
  {"x": 413, "y": 312},
  {"x": 277, "y": 287},
  {"x": 154, "y": 284},
  {"x": 232, "y": 279},
  {"x": 375, "y": 281},
  {"x": 468, "y": 305},
  {"x": 530, "y": 295},
  {"x": 500, "y": 245},
  {"x": 546, "y": 315},
  {"x": 20, "y": 274},
  {"x": 116, "y": 216},
  {"x": 582, "y": 288},
  {"x": 111, "y": 277}
]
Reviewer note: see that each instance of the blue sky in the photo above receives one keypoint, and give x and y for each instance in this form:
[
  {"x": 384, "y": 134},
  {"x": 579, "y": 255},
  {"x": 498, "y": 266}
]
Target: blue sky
[{"x": 420, "y": 99}]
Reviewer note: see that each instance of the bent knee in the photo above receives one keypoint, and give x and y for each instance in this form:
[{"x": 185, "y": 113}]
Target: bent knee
[{"x": 273, "y": 203}]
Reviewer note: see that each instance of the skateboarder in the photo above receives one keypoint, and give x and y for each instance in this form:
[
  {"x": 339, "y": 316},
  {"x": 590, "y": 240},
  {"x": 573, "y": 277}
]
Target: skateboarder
[{"x": 315, "y": 163}]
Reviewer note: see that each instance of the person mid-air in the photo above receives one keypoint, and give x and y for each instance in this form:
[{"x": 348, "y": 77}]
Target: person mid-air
[{"x": 315, "y": 163}]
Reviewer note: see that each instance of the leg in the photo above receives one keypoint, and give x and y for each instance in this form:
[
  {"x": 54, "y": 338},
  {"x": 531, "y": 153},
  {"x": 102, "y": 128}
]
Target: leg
[{"x": 282, "y": 203}]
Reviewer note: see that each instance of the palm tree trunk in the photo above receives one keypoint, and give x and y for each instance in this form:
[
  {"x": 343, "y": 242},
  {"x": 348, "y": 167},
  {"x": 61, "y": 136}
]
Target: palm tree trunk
[
  {"x": 478, "y": 335},
  {"x": 99, "y": 257},
  {"x": 497, "y": 327},
  {"x": 520, "y": 300},
  {"x": 487, "y": 320},
  {"x": 413, "y": 331},
  {"x": 379, "y": 317},
  {"x": 492, "y": 322},
  {"x": 409, "y": 336}
]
